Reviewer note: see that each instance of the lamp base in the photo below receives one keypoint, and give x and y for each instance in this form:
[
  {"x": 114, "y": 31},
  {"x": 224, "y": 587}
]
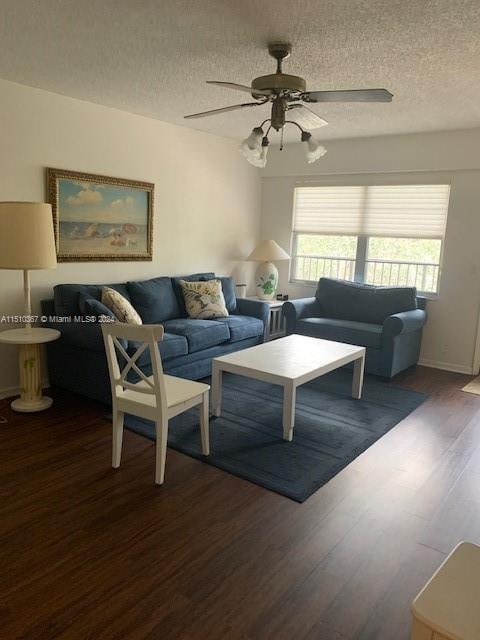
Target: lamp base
[
  {"x": 266, "y": 280},
  {"x": 30, "y": 406},
  {"x": 31, "y": 398}
]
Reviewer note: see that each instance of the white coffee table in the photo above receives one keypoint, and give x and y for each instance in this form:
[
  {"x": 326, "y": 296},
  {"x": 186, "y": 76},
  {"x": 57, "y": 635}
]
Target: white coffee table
[{"x": 289, "y": 362}]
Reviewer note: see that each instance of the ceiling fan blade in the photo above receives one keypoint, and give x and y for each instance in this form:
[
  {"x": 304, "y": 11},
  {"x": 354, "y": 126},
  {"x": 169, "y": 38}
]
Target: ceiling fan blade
[
  {"x": 213, "y": 112},
  {"x": 240, "y": 87},
  {"x": 353, "y": 95},
  {"x": 305, "y": 117}
]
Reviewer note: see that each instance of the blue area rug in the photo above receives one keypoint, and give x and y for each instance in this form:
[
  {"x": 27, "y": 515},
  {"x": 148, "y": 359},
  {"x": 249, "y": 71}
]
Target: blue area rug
[{"x": 331, "y": 430}]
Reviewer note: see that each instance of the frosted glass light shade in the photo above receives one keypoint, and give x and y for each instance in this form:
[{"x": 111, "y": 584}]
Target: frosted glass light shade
[
  {"x": 251, "y": 147},
  {"x": 27, "y": 240},
  {"x": 268, "y": 251},
  {"x": 314, "y": 150},
  {"x": 260, "y": 159}
]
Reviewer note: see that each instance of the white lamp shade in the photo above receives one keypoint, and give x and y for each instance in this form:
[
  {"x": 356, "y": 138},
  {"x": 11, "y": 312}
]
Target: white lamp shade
[
  {"x": 268, "y": 251},
  {"x": 27, "y": 240}
]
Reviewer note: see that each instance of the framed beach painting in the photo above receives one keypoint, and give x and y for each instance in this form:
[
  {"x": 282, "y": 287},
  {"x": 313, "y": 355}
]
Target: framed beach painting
[{"x": 100, "y": 218}]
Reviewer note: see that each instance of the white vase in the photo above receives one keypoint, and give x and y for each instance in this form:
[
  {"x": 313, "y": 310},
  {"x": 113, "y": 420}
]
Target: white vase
[
  {"x": 266, "y": 280},
  {"x": 241, "y": 290}
]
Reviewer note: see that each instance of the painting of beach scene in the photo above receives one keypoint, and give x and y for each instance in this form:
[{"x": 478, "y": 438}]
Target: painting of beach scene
[{"x": 100, "y": 218}]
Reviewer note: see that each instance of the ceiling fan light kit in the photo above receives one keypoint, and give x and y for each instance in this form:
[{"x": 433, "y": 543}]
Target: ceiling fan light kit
[
  {"x": 286, "y": 93},
  {"x": 262, "y": 156},
  {"x": 251, "y": 146},
  {"x": 313, "y": 149},
  {"x": 256, "y": 152}
]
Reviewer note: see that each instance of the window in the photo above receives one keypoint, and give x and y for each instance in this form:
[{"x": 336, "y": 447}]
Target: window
[{"x": 382, "y": 235}]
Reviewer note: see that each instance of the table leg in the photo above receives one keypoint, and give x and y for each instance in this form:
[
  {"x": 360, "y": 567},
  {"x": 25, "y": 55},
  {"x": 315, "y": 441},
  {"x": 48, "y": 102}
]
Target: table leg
[
  {"x": 357, "y": 384},
  {"x": 31, "y": 398},
  {"x": 289, "y": 398},
  {"x": 216, "y": 389}
]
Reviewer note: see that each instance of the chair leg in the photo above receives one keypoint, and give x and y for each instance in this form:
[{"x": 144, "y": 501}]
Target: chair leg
[
  {"x": 161, "y": 450},
  {"x": 117, "y": 437},
  {"x": 205, "y": 425}
]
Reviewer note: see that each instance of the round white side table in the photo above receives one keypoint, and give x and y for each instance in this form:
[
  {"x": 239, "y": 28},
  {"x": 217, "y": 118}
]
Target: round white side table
[{"x": 29, "y": 362}]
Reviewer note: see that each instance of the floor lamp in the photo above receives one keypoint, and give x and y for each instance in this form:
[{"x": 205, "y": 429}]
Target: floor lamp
[{"x": 27, "y": 242}]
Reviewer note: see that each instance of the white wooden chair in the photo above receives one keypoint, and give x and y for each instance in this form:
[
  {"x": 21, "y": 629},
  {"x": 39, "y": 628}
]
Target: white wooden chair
[
  {"x": 158, "y": 397},
  {"x": 447, "y": 608}
]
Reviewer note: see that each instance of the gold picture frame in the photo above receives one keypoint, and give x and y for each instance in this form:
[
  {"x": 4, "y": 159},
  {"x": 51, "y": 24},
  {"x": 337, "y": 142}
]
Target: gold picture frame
[{"x": 100, "y": 218}]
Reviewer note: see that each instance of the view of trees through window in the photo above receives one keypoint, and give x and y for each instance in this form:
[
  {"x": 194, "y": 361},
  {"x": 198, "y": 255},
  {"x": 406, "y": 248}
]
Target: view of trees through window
[
  {"x": 375, "y": 260},
  {"x": 327, "y": 246},
  {"x": 417, "y": 250}
]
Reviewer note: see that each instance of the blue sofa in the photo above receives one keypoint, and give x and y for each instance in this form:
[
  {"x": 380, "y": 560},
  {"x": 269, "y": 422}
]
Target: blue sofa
[
  {"x": 77, "y": 361},
  {"x": 388, "y": 321}
]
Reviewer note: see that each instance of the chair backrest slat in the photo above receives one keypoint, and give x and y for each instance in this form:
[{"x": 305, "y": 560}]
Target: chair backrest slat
[
  {"x": 135, "y": 386},
  {"x": 144, "y": 337},
  {"x": 131, "y": 363}
]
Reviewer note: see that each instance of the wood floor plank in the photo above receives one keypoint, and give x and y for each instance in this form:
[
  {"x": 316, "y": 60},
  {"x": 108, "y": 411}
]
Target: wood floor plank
[
  {"x": 390, "y": 618},
  {"x": 92, "y": 553}
]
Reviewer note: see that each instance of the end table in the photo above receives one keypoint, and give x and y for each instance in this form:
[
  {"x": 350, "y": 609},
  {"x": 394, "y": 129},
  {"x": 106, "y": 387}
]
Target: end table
[
  {"x": 276, "y": 323},
  {"x": 29, "y": 360}
]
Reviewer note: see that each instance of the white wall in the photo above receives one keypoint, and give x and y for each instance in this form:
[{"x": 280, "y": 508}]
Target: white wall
[
  {"x": 450, "y": 335},
  {"x": 207, "y": 198}
]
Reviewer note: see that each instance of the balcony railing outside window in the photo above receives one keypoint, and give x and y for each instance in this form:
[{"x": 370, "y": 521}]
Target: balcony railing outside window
[
  {"x": 422, "y": 275},
  {"x": 312, "y": 268}
]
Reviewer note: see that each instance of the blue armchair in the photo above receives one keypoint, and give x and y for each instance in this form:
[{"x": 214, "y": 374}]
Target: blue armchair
[{"x": 388, "y": 321}]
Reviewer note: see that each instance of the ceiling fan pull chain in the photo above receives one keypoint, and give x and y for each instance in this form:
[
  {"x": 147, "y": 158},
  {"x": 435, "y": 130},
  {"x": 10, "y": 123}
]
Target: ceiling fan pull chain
[{"x": 281, "y": 139}]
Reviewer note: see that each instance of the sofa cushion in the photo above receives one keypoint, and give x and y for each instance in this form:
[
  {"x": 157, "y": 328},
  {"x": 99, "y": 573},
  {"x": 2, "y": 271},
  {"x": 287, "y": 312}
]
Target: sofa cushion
[
  {"x": 177, "y": 288},
  {"x": 363, "y": 303},
  {"x": 200, "y": 334},
  {"x": 66, "y": 296},
  {"x": 242, "y": 327},
  {"x": 229, "y": 293},
  {"x": 154, "y": 299},
  {"x": 172, "y": 346},
  {"x": 362, "y": 334}
]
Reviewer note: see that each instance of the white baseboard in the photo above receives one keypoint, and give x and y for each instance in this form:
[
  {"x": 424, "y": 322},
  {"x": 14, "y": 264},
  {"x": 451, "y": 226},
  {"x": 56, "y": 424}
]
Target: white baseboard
[
  {"x": 447, "y": 366},
  {"x": 10, "y": 392}
]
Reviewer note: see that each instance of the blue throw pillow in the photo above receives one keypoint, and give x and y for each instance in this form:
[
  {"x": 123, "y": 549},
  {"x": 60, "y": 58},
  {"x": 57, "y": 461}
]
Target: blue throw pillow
[
  {"x": 154, "y": 299},
  {"x": 229, "y": 293},
  {"x": 92, "y": 307},
  {"x": 67, "y": 296}
]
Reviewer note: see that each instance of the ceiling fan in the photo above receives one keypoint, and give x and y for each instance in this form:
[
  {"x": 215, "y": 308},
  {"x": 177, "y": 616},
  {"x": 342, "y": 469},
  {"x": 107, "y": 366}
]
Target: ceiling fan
[{"x": 287, "y": 93}]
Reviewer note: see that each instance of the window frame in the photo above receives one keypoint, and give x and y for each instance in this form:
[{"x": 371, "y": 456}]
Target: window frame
[
  {"x": 294, "y": 255},
  {"x": 361, "y": 261}
]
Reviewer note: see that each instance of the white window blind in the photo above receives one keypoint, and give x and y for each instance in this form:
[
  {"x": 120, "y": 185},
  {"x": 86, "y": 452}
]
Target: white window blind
[{"x": 401, "y": 211}]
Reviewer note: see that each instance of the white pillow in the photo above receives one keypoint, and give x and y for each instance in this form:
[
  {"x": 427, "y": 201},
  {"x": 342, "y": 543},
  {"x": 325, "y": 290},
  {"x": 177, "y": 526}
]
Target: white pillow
[
  {"x": 204, "y": 299},
  {"x": 120, "y": 306}
]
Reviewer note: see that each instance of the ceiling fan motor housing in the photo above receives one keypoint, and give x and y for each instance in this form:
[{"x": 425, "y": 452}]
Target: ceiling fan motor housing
[
  {"x": 279, "y": 82},
  {"x": 277, "y": 118}
]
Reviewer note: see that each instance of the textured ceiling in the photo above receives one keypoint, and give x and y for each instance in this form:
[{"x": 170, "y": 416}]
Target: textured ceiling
[{"x": 153, "y": 57}]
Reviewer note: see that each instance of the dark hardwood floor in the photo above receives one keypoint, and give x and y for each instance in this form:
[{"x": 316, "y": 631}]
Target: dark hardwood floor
[{"x": 90, "y": 553}]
